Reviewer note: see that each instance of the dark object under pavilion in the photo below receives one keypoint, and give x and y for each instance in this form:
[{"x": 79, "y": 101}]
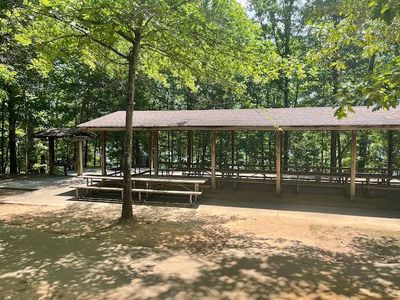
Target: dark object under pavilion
[{"x": 76, "y": 135}]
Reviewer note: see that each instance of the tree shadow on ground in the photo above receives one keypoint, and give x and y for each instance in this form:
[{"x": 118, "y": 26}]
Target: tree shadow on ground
[
  {"x": 36, "y": 182},
  {"x": 69, "y": 254},
  {"x": 303, "y": 202},
  {"x": 295, "y": 271},
  {"x": 6, "y": 192}
]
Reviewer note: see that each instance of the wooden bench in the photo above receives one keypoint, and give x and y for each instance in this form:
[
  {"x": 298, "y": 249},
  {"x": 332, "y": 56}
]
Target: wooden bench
[
  {"x": 372, "y": 187},
  {"x": 90, "y": 179},
  {"x": 95, "y": 182},
  {"x": 169, "y": 192},
  {"x": 96, "y": 188},
  {"x": 182, "y": 183},
  {"x": 116, "y": 171},
  {"x": 196, "y": 194},
  {"x": 64, "y": 165},
  {"x": 297, "y": 182}
]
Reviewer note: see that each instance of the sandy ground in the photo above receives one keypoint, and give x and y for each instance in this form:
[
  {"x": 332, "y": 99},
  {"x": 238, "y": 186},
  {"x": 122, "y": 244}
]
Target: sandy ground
[{"x": 55, "y": 248}]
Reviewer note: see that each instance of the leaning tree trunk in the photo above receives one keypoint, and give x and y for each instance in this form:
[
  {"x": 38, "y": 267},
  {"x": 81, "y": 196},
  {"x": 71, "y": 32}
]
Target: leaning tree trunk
[{"x": 127, "y": 211}]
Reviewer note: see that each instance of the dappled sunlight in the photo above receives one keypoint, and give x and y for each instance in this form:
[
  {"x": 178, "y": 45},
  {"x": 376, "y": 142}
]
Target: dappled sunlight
[
  {"x": 181, "y": 253},
  {"x": 36, "y": 182},
  {"x": 293, "y": 272},
  {"x": 200, "y": 149},
  {"x": 153, "y": 226},
  {"x": 71, "y": 264},
  {"x": 316, "y": 200}
]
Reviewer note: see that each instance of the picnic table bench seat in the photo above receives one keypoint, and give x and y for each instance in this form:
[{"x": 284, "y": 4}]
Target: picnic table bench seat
[
  {"x": 168, "y": 192},
  {"x": 370, "y": 189},
  {"x": 78, "y": 190},
  {"x": 94, "y": 188},
  {"x": 182, "y": 182}
]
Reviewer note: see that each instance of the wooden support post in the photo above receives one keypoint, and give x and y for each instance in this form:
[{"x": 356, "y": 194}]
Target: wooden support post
[
  {"x": 232, "y": 149},
  {"x": 278, "y": 162},
  {"x": 103, "y": 162},
  {"x": 213, "y": 160},
  {"x": 151, "y": 151},
  {"x": 79, "y": 160},
  {"x": 339, "y": 154},
  {"x": 333, "y": 160},
  {"x": 51, "y": 156},
  {"x": 189, "y": 149},
  {"x": 155, "y": 152},
  {"x": 353, "y": 164},
  {"x": 27, "y": 150},
  {"x": 390, "y": 156}
]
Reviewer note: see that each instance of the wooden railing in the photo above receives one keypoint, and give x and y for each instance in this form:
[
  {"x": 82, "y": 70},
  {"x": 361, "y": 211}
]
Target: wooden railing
[{"x": 290, "y": 170}]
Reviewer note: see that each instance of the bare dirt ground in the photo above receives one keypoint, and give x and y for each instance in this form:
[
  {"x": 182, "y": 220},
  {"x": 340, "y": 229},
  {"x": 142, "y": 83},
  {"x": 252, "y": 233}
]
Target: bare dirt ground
[{"x": 73, "y": 250}]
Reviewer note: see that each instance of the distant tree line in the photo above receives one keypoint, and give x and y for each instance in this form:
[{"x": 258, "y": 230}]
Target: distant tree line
[{"x": 309, "y": 53}]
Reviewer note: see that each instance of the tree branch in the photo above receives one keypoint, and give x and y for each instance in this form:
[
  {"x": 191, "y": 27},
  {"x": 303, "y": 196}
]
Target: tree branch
[
  {"x": 61, "y": 37},
  {"x": 85, "y": 33}
]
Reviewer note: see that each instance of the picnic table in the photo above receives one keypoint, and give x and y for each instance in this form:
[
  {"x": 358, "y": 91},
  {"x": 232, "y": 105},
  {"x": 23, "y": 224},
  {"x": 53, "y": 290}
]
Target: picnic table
[{"x": 190, "y": 186}]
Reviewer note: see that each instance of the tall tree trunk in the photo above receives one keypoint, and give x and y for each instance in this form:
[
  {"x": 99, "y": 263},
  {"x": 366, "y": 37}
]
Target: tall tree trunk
[
  {"x": 333, "y": 160},
  {"x": 29, "y": 147},
  {"x": 136, "y": 149},
  {"x": 172, "y": 148},
  {"x": 169, "y": 150},
  {"x": 127, "y": 210},
  {"x": 94, "y": 154},
  {"x": 3, "y": 113},
  {"x": 322, "y": 149},
  {"x": 262, "y": 140},
  {"x": 86, "y": 155},
  {"x": 28, "y": 136},
  {"x": 286, "y": 133},
  {"x": 12, "y": 139},
  {"x": 198, "y": 148},
  {"x": 363, "y": 146},
  {"x": 204, "y": 148},
  {"x": 389, "y": 155},
  {"x": 363, "y": 150},
  {"x": 179, "y": 150},
  {"x": 285, "y": 150},
  {"x": 339, "y": 155}
]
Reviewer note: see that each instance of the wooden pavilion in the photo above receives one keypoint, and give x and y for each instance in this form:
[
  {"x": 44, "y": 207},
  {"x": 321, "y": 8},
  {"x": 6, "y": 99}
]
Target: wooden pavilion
[
  {"x": 277, "y": 120},
  {"x": 74, "y": 135}
]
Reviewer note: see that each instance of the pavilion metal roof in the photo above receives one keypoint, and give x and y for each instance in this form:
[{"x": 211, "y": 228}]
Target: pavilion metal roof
[{"x": 298, "y": 118}]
